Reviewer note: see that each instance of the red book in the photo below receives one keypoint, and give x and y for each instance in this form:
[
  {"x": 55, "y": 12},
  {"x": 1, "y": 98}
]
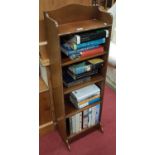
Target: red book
[{"x": 87, "y": 53}]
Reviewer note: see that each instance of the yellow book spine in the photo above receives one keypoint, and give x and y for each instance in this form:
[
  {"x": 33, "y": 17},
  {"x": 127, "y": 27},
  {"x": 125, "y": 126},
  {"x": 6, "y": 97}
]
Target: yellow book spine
[{"x": 89, "y": 99}]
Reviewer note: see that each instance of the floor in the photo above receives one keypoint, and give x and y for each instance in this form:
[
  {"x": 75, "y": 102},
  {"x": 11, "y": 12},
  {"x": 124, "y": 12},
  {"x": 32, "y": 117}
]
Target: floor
[{"x": 95, "y": 143}]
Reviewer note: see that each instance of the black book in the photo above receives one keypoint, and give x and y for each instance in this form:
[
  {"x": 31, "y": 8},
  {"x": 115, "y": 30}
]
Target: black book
[
  {"x": 69, "y": 81},
  {"x": 82, "y": 75}
]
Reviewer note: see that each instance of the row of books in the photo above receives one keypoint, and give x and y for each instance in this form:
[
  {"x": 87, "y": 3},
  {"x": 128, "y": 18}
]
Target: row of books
[
  {"x": 81, "y": 72},
  {"x": 85, "y": 119},
  {"x": 84, "y": 44},
  {"x": 85, "y": 96}
]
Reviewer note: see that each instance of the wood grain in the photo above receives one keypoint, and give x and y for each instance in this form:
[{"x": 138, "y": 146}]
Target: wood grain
[
  {"x": 45, "y": 114},
  {"x": 44, "y": 57},
  {"x": 49, "y": 5},
  {"x": 42, "y": 86}
]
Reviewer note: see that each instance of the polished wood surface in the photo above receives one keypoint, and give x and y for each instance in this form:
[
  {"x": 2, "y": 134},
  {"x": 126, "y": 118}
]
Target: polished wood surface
[
  {"x": 46, "y": 128},
  {"x": 81, "y": 26},
  {"x": 94, "y": 79},
  {"x": 67, "y": 61},
  {"x": 71, "y": 110},
  {"x": 49, "y": 5},
  {"x": 44, "y": 108},
  {"x": 43, "y": 56},
  {"x": 42, "y": 34},
  {"x": 42, "y": 86}
]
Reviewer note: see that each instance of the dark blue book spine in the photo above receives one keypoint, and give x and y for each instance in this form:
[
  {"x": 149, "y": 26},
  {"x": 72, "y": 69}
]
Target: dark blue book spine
[{"x": 90, "y": 43}]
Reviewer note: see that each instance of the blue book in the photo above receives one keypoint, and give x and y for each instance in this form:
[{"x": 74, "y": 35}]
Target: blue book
[
  {"x": 97, "y": 113},
  {"x": 67, "y": 50},
  {"x": 94, "y": 100},
  {"x": 90, "y": 43}
]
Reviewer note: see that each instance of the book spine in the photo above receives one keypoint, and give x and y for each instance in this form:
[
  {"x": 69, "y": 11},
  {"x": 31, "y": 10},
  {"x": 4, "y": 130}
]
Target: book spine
[
  {"x": 74, "y": 124},
  {"x": 85, "y": 119},
  {"x": 80, "y": 121},
  {"x": 97, "y": 113},
  {"x": 76, "y": 77},
  {"x": 79, "y": 81},
  {"x": 89, "y": 99},
  {"x": 98, "y": 50},
  {"x": 90, "y": 117},
  {"x": 88, "y": 103},
  {"x": 90, "y": 43},
  {"x": 70, "y": 125},
  {"x": 93, "y": 115},
  {"x": 77, "y": 123},
  {"x": 78, "y": 39}
]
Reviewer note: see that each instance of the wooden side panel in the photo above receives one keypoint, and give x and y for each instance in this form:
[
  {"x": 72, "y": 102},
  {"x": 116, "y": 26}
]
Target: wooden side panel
[
  {"x": 45, "y": 114},
  {"x": 48, "y": 5},
  {"x": 56, "y": 74}
]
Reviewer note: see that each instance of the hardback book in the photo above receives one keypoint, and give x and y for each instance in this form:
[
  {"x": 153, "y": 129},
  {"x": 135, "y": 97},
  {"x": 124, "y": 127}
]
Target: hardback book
[
  {"x": 89, "y": 99},
  {"x": 85, "y": 118},
  {"x": 79, "y": 106},
  {"x": 97, "y": 113},
  {"x": 77, "y": 116},
  {"x": 93, "y": 115},
  {"x": 79, "y": 76},
  {"x": 88, "y": 36},
  {"x": 67, "y": 50},
  {"x": 87, "y": 44},
  {"x": 86, "y": 66},
  {"x": 91, "y": 52},
  {"x": 85, "y": 92},
  {"x": 68, "y": 81},
  {"x": 90, "y": 117},
  {"x": 80, "y": 121},
  {"x": 74, "y": 124},
  {"x": 80, "y": 67},
  {"x": 96, "y": 62}
]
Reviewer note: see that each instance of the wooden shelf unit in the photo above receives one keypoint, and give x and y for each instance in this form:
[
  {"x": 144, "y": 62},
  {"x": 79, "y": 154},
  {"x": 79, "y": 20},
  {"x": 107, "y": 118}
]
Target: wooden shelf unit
[{"x": 73, "y": 19}]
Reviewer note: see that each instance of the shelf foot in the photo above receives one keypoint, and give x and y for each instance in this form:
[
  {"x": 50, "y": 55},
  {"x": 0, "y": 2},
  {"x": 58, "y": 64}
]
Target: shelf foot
[
  {"x": 101, "y": 128},
  {"x": 68, "y": 146}
]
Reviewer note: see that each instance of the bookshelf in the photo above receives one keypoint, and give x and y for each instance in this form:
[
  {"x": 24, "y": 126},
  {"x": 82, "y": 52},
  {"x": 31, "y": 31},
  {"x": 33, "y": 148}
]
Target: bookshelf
[{"x": 73, "y": 19}]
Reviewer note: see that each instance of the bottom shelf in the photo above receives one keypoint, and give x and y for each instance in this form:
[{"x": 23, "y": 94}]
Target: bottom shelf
[{"x": 82, "y": 133}]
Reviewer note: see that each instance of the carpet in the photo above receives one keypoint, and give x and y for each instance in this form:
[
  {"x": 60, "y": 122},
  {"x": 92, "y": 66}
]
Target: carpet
[{"x": 95, "y": 143}]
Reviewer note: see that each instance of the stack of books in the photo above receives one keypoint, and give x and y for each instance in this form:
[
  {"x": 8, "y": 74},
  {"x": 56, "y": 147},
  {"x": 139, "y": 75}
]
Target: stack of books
[
  {"x": 84, "y": 44},
  {"x": 85, "y": 119},
  {"x": 85, "y": 96},
  {"x": 81, "y": 72}
]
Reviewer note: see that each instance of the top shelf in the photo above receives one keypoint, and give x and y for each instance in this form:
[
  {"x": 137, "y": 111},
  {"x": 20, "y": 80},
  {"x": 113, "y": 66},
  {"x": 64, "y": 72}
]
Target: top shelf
[{"x": 80, "y": 26}]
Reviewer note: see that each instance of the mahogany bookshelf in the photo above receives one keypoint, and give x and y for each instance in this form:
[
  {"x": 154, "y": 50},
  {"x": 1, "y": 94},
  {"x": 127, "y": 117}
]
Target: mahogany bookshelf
[{"x": 73, "y": 19}]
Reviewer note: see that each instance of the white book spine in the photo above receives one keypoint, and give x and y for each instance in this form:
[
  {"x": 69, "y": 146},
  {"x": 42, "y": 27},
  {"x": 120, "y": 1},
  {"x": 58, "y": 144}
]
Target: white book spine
[
  {"x": 80, "y": 121},
  {"x": 85, "y": 118},
  {"x": 90, "y": 117},
  {"x": 93, "y": 115},
  {"x": 77, "y": 123},
  {"x": 74, "y": 124}
]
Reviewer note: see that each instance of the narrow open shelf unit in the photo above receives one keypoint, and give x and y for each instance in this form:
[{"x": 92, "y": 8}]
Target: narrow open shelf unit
[{"x": 73, "y": 19}]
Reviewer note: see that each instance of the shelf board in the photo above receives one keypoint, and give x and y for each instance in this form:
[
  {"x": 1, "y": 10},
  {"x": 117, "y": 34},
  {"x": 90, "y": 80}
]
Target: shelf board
[
  {"x": 42, "y": 86},
  {"x": 94, "y": 79},
  {"x": 67, "y": 61},
  {"x": 44, "y": 58},
  {"x": 42, "y": 36},
  {"x": 80, "y": 26},
  {"x": 83, "y": 131},
  {"x": 71, "y": 110}
]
